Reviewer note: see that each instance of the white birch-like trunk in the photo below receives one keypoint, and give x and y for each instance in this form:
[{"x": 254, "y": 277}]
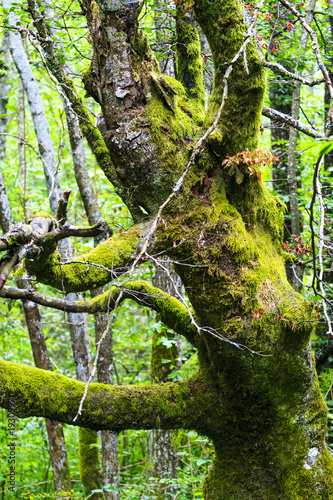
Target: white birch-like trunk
[
  {"x": 37, "y": 110},
  {"x": 296, "y": 219}
]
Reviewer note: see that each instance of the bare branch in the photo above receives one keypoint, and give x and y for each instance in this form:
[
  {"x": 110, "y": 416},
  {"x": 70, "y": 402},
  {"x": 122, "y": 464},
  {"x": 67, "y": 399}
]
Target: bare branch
[
  {"x": 279, "y": 69},
  {"x": 288, "y": 120},
  {"x": 6, "y": 265}
]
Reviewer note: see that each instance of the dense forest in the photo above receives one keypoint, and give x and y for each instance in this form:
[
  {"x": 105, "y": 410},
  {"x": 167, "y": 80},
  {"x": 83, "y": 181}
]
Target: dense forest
[{"x": 166, "y": 273}]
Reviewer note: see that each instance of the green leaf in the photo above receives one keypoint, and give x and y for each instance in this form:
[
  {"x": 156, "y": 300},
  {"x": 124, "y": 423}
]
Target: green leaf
[
  {"x": 239, "y": 177},
  {"x": 326, "y": 148}
]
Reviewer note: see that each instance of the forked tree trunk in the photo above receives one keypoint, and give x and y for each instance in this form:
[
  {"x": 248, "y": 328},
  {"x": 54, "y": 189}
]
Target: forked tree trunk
[{"x": 256, "y": 393}]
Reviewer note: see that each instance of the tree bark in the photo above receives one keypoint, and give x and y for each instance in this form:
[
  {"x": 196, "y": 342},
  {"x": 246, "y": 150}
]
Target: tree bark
[{"x": 256, "y": 393}]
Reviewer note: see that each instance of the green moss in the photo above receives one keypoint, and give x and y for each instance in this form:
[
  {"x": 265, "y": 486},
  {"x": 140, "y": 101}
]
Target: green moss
[
  {"x": 97, "y": 266},
  {"x": 223, "y": 24},
  {"x": 19, "y": 273},
  {"x": 189, "y": 61},
  {"x": 90, "y": 473}
]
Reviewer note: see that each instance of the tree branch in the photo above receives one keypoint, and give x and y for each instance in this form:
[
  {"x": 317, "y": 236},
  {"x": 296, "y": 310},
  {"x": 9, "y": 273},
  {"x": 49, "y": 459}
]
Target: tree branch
[
  {"x": 96, "y": 268},
  {"x": 35, "y": 392},
  {"x": 173, "y": 313},
  {"x": 61, "y": 214},
  {"x": 279, "y": 69},
  {"x": 288, "y": 120}
]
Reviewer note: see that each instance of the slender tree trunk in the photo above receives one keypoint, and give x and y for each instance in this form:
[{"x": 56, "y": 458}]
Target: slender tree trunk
[
  {"x": 295, "y": 214},
  {"x": 56, "y": 440},
  {"x": 5, "y": 211},
  {"x": 90, "y": 477},
  {"x": 281, "y": 99},
  {"x": 167, "y": 64},
  {"x": 21, "y": 150},
  {"x": 105, "y": 362},
  {"x": 4, "y": 91},
  {"x": 55, "y": 433},
  {"x": 161, "y": 444},
  {"x": 208, "y": 72},
  {"x": 37, "y": 111}
]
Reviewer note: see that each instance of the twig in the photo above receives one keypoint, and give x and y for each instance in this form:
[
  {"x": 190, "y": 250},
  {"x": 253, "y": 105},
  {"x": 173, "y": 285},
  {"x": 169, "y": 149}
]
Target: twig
[{"x": 281, "y": 69}]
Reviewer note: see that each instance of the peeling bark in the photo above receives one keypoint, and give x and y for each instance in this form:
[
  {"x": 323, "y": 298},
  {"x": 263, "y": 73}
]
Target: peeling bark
[{"x": 256, "y": 394}]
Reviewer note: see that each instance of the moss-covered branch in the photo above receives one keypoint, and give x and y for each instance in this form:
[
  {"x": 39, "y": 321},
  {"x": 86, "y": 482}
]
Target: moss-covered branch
[
  {"x": 35, "y": 392},
  {"x": 172, "y": 312},
  {"x": 96, "y": 268},
  {"x": 225, "y": 25}
]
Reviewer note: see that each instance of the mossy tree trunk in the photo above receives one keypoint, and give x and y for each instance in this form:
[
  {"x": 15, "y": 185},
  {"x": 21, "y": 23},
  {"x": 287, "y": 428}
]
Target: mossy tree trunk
[{"x": 256, "y": 393}]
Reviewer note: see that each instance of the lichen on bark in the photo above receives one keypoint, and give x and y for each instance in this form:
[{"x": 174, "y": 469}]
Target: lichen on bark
[{"x": 256, "y": 393}]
